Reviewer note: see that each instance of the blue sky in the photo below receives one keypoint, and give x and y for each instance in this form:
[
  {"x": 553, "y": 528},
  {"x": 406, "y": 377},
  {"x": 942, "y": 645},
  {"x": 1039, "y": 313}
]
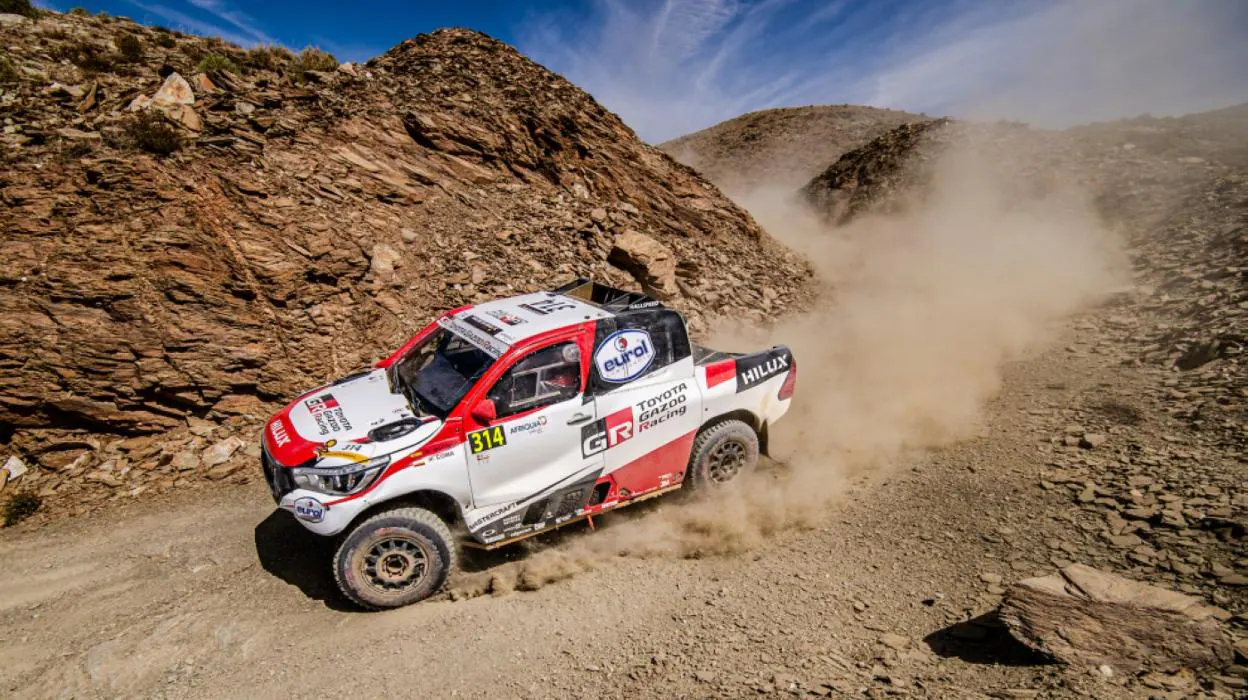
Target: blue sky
[{"x": 673, "y": 66}]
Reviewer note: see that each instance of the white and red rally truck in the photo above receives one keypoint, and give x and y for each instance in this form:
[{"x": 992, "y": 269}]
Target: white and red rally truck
[{"x": 510, "y": 418}]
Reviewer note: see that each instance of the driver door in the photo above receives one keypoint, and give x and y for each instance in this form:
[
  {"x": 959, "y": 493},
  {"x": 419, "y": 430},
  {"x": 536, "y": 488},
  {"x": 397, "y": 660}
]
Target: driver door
[{"x": 531, "y": 451}]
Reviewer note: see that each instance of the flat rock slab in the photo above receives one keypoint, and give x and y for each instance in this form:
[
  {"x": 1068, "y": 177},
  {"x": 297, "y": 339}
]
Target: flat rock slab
[{"x": 1088, "y": 617}]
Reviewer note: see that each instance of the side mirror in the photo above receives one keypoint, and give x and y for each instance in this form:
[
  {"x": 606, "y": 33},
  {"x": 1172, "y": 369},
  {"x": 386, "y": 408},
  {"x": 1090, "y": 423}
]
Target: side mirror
[{"x": 484, "y": 412}]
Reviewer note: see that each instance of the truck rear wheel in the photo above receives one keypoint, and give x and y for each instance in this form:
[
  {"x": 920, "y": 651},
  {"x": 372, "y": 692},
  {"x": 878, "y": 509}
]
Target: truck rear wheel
[
  {"x": 395, "y": 558},
  {"x": 721, "y": 452}
]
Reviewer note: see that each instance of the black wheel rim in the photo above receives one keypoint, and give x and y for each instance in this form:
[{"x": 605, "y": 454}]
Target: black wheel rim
[
  {"x": 726, "y": 460},
  {"x": 396, "y": 564}
]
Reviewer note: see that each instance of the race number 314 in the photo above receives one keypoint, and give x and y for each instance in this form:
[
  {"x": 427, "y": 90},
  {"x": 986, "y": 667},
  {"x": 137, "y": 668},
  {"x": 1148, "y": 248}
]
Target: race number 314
[{"x": 487, "y": 439}]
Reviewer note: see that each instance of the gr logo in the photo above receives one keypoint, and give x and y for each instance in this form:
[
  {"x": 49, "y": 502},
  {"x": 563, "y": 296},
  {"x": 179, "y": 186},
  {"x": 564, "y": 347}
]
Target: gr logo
[{"x": 603, "y": 434}]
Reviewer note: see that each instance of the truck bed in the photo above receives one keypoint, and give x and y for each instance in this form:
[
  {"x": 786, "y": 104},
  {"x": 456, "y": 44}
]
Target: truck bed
[{"x": 704, "y": 356}]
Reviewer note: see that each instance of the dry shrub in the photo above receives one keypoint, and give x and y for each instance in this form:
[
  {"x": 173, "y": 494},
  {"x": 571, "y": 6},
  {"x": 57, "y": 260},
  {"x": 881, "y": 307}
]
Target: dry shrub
[
  {"x": 130, "y": 48},
  {"x": 8, "y": 70},
  {"x": 88, "y": 57},
  {"x": 314, "y": 59},
  {"x": 269, "y": 57},
  {"x": 151, "y": 133},
  {"x": 19, "y": 7},
  {"x": 217, "y": 62},
  {"x": 19, "y": 507}
]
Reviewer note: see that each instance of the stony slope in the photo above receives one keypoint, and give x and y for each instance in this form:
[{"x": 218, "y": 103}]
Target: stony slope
[
  {"x": 781, "y": 147},
  {"x": 1177, "y": 190},
  {"x": 309, "y": 222}
]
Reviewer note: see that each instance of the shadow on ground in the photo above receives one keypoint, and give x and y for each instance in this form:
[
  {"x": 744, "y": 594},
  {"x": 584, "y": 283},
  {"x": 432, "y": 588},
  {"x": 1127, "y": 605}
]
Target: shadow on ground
[
  {"x": 300, "y": 558},
  {"x": 983, "y": 640},
  {"x": 289, "y": 552}
]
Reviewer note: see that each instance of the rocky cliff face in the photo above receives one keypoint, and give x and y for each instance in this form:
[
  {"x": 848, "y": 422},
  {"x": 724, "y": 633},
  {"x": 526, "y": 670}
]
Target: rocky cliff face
[{"x": 194, "y": 231}]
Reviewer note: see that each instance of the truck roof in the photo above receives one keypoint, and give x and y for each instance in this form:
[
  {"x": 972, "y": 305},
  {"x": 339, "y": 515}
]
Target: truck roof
[{"x": 494, "y": 326}]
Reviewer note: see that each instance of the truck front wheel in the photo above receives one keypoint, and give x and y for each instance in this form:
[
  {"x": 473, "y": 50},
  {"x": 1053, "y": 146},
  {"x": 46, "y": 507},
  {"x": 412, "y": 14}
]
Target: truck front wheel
[
  {"x": 721, "y": 452},
  {"x": 395, "y": 558}
]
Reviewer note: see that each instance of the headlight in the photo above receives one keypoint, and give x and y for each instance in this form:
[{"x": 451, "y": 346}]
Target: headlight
[{"x": 340, "y": 481}]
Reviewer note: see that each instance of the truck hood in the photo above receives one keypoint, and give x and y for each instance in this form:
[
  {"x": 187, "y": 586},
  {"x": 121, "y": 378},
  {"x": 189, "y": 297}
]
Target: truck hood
[{"x": 345, "y": 412}]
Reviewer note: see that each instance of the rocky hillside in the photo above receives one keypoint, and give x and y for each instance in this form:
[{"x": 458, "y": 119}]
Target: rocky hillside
[
  {"x": 194, "y": 231},
  {"x": 781, "y": 147},
  {"x": 872, "y": 176}
]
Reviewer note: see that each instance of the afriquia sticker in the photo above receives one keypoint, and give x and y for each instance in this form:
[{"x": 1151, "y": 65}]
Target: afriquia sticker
[{"x": 624, "y": 356}]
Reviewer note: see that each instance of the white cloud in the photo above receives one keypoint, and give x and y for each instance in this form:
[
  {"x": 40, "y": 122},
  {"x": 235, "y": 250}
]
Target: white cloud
[
  {"x": 673, "y": 66},
  {"x": 183, "y": 22},
  {"x": 239, "y": 20},
  {"x": 236, "y": 27}
]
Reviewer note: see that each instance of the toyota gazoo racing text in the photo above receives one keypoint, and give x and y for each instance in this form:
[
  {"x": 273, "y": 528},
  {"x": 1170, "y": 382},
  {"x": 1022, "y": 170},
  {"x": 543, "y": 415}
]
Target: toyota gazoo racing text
[{"x": 509, "y": 418}]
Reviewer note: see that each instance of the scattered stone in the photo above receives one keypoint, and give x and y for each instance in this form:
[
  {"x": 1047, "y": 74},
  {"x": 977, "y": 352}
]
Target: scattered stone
[
  {"x": 204, "y": 84},
  {"x": 221, "y": 471},
  {"x": 14, "y": 467},
  {"x": 894, "y": 641},
  {"x": 185, "y": 461},
  {"x": 221, "y": 452},
  {"x": 184, "y": 115},
  {"x": 1091, "y": 441},
  {"x": 78, "y": 135}
]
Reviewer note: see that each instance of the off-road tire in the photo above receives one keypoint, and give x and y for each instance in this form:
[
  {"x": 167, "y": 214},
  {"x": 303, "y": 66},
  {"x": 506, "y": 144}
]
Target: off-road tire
[
  {"x": 369, "y": 565},
  {"x": 731, "y": 440}
]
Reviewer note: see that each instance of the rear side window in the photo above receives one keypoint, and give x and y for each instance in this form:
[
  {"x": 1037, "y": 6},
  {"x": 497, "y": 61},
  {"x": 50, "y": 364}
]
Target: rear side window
[{"x": 631, "y": 346}]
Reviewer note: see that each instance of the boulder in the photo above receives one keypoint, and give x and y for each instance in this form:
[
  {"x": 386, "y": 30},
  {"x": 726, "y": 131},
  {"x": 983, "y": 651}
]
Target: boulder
[
  {"x": 174, "y": 91},
  {"x": 384, "y": 261},
  {"x": 650, "y": 262},
  {"x": 1088, "y": 617}
]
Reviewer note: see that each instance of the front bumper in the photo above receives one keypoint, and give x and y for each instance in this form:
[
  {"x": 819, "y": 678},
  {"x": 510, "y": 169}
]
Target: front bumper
[{"x": 307, "y": 506}]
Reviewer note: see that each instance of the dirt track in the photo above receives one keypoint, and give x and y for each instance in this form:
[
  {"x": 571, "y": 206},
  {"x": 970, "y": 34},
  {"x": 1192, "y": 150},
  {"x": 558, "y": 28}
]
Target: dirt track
[{"x": 218, "y": 595}]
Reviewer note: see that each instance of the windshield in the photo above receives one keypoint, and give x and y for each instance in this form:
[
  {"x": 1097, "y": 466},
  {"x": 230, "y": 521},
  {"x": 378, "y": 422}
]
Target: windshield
[{"x": 436, "y": 374}]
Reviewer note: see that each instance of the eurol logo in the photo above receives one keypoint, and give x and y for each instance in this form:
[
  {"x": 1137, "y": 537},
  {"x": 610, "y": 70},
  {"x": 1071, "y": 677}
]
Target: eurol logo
[
  {"x": 624, "y": 356},
  {"x": 309, "y": 509},
  {"x": 278, "y": 429}
]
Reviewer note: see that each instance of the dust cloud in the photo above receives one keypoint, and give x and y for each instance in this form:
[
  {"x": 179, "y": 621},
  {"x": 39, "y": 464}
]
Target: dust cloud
[{"x": 900, "y": 353}]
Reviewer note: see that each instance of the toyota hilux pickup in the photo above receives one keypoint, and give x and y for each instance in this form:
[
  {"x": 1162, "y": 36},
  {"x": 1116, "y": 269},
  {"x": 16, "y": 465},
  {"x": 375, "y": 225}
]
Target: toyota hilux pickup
[{"x": 509, "y": 418}]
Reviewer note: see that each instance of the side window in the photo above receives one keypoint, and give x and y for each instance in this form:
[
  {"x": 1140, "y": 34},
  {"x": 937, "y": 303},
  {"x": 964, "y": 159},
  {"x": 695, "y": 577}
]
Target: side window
[
  {"x": 545, "y": 377},
  {"x": 633, "y": 345}
]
